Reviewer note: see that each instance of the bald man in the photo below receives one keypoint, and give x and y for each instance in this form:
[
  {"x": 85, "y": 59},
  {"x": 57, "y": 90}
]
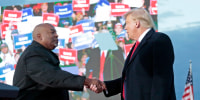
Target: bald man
[{"x": 38, "y": 74}]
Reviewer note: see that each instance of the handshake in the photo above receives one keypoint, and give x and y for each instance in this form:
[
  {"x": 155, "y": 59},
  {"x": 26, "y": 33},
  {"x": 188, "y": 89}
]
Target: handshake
[{"x": 95, "y": 85}]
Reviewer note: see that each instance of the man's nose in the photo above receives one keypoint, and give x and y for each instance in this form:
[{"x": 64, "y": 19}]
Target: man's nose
[{"x": 56, "y": 35}]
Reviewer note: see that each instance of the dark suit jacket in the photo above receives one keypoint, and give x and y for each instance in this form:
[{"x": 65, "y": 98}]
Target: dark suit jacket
[
  {"x": 39, "y": 76},
  {"x": 149, "y": 73}
]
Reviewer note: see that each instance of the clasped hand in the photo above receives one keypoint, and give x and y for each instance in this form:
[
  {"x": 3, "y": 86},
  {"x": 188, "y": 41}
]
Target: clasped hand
[{"x": 95, "y": 85}]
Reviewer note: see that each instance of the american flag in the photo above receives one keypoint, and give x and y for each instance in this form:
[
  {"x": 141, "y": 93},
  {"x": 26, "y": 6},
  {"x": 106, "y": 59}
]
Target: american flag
[{"x": 188, "y": 92}]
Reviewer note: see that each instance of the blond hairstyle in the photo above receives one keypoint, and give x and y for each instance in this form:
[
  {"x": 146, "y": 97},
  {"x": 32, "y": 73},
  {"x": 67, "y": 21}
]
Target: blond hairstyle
[{"x": 142, "y": 15}]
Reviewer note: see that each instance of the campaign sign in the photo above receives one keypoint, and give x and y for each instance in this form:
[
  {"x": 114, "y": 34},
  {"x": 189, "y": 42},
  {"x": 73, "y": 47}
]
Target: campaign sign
[
  {"x": 50, "y": 18},
  {"x": 63, "y": 11},
  {"x": 71, "y": 69},
  {"x": 94, "y": 43},
  {"x": 80, "y": 5},
  {"x": 5, "y": 69},
  {"x": 127, "y": 49},
  {"x": 12, "y": 16},
  {"x": 153, "y": 8},
  {"x": 101, "y": 3},
  {"x": 119, "y": 9},
  {"x": 68, "y": 55},
  {"x": 88, "y": 25},
  {"x": 5, "y": 28},
  {"x": 103, "y": 10},
  {"x": 75, "y": 30},
  {"x": 26, "y": 13},
  {"x": 22, "y": 40},
  {"x": 61, "y": 44},
  {"x": 82, "y": 41}
]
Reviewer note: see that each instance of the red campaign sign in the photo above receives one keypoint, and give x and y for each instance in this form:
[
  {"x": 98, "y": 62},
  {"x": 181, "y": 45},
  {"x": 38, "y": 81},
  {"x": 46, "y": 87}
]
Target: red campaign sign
[
  {"x": 12, "y": 16},
  {"x": 153, "y": 7},
  {"x": 6, "y": 27},
  {"x": 76, "y": 30},
  {"x": 127, "y": 49},
  {"x": 119, "y": 9},
  {"x": 79, "y": 5},
  {"x": 50, "y": 18},
  {"x": 68, "y": 55}
]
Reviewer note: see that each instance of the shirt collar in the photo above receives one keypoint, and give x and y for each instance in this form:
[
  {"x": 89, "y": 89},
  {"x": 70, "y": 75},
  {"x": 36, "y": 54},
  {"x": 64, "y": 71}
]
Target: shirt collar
[{"x": 143, "y": 34}]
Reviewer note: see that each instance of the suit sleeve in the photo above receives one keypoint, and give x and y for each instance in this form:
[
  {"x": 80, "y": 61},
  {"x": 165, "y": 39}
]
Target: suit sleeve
[
  {"x": 41, "y": 70},
  {"x": 163, "y": 58},
  {"x": 113, "y": 87}
]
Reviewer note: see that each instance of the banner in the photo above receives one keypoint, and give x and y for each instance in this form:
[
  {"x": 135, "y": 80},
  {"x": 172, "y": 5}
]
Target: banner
[
  {"x": 63, "y": 11},
  {"x": 81, "y": 5},
  {"x": 5, "y": 28},
  {"x": 119, "y": 9},
  {"x": 88, "y": 25},
  {"x": 4, "y": 70},
  {"x": 71, "y": 69},
  {"x": 26, "y": 13},
  {"x": 153, "y": 7},
  {"x": 12, "y": 16},
  {"x": 101, "y": 3},
  {"x": 50, "y": 18},
  {"x": 134, "y": 3},
  {"x": 103, "y": 10},
  {"x": 68, "y": 55},
  {"x": 22, "y": 40},
  {"x": 75, "y": 30},
  {"x": 82, "y": 41}
]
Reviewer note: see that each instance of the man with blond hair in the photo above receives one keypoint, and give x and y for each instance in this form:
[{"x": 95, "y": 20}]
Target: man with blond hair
[{"x": 148, "y": 69}]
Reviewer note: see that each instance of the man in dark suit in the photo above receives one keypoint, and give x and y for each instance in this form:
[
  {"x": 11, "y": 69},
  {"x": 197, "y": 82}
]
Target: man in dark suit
[
  {"x": 148, "y": 70},
  {"x": 38, "y": 74}
]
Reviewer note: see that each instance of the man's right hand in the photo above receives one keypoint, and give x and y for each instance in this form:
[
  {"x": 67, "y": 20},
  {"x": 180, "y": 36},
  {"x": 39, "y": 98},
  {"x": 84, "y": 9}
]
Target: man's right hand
[{"x": 95, "y": 85}]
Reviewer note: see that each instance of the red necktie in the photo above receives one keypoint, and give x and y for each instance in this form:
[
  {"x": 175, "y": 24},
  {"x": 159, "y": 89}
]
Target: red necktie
[
  {"x": 102, "y": 61},
  {"x": 136, "y": 45}
]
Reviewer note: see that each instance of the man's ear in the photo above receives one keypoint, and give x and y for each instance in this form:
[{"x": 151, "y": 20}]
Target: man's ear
[
  {"x": 137, "y": 24},
  {"x": 39, "y": 36}
]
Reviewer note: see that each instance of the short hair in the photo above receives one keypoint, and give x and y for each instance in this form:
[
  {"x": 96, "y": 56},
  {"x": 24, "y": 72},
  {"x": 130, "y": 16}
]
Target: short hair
[{"x": 142, "y": 15}]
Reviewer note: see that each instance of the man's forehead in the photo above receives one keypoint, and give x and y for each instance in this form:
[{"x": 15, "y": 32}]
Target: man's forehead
[{"x": 50, "y": 27}]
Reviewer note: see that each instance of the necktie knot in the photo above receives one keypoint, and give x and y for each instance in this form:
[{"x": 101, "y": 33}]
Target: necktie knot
[{"x": 136, "y": 44}]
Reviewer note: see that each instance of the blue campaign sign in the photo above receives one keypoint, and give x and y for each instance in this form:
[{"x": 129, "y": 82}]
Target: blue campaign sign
[
  {"x": 63, "y": 11},
  {"x": 82, "y": 41},
  {"x": 22, "y": 40},
  {"x": 61, "y": 44},
  {"x": 88, "y": 25},
  {"x": 101, "y": 3},
  {"x": 71, "y": 69},
  {"x": 5, "y": 69},
  {"x": 94, "y": 43},
  {"x": 28, "y": 12}
]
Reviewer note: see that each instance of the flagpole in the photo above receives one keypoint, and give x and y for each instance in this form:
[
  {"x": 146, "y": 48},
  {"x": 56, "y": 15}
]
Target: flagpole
[
  {"x": 192, "y": 95},
  {"x": 191, "y": 65}
]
